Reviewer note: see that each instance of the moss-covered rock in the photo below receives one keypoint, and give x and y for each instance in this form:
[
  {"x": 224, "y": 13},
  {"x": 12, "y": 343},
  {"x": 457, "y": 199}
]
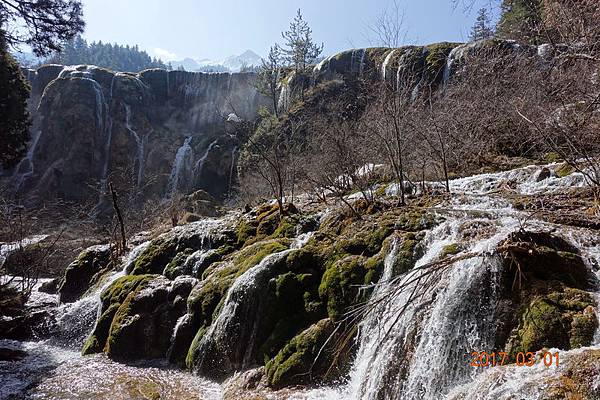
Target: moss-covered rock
[
  {"x": 112, "y": 298},
  {"x": 206, "y": 299},
  {"x": 436, "y": 60},
  {"x": 564, "y": 170},
  {"x": 143, "y": 325},
  {"x": 196, "y": 236},
  {"x": 561, "y": 319},
  {"x": 82, "y": 273},
  {"x": 545, "y": 302},
  {"x": 155, "y": 258},
  {"x": 177, "y": 266},
  {"x": 303, "y": 360},
  {"x": 340, "y": 285},
  {"x": 450, "y": 250}
]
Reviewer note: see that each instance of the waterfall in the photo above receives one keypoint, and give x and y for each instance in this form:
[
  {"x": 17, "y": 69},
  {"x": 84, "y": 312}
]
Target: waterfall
[
  {"x": 140, "y": 145},
  {"x": 450, "y": 64},
  {"x": 319, "y": 67},
  {"x": 232, "y": 167},
  {"x": 417, "y": 346},
  {"x": 386, "y": 61},
  {"x": 25, "y": 167},
  {"x": 200, "y": 163},
  {"x": 456, "y": 311},
  {"x": 352, "y": 60},
  {"x": 181, "y": 168},
  {"x": 361, "y": 67},
  {"x": 240, "y": 317}
]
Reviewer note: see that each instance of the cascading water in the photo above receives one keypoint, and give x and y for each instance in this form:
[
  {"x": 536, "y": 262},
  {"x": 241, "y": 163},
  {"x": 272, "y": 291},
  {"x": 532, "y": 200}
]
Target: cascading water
[
  {"x": 232, "y": 167},
  {"x": 386, "y": 61},
  {"x": 415, "y": 343},
  {"x": 140, "y": 142},
  {"x": 182, "y": 167},
  {"x": 53, "y": 368},
  {"x": 361, "y": 67},
  {"x": 200, "y": 163}
]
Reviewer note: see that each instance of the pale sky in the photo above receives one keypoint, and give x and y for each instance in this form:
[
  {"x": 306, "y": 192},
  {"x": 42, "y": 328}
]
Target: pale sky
[{"x": 175, "y": 29}]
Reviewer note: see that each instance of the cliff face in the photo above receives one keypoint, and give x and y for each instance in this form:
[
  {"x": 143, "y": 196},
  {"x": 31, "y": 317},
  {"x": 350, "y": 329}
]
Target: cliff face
[
  {"x": 158, "y": 133},
  {"x": 154, "y": 133}
]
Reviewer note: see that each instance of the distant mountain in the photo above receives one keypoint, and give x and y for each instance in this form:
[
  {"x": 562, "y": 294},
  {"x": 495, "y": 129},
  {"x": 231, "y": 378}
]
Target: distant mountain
[{"x": 247, "y": 59}]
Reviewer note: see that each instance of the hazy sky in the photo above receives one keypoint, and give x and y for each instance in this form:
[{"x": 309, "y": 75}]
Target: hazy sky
[{"x": 175, "y": 29}]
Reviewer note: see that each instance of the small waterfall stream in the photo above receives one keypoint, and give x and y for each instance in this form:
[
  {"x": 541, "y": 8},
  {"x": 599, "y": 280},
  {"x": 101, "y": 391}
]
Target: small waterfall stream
[
  {"x": 182, "y": 167},
  {"x": 386, "y": 61},
  {"x": 200, "y": 163},
  {"x": 140, "y": 142}
]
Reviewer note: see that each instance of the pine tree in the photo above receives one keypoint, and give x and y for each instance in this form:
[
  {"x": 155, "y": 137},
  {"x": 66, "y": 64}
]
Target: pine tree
[
  {"x": 522, "y": 20},
  {"x": 482, "y": 28},
  {"x": 300, "y": 50},
  {"x": 14, "y": 124},
  {"x": 268, "y": 76},
  {"x": 111, "y": 56}
]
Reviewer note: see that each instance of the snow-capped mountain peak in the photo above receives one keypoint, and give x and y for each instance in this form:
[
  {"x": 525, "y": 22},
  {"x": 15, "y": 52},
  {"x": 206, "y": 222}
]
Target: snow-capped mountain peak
[{"x": 230, "y": 64}]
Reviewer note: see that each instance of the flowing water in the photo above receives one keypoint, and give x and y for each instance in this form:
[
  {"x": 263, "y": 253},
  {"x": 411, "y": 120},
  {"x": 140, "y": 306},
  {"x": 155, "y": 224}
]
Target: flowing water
[
  {"x": 200, "y": 163},
  {"x": 182, "y": 167},
  {"x": 416, "y": 342},
  {"x": 54, "y": 368},
  {"x": 140, "y": 142}
]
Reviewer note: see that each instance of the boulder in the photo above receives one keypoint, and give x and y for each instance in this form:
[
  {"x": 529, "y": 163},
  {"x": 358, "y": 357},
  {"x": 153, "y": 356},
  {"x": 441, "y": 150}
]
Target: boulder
[
  {"x": 138, "y": 317},
  {"x": 82, "y": 273},
  {"x": 305, "y": 359},
  {"x": 546, "y": 299}
]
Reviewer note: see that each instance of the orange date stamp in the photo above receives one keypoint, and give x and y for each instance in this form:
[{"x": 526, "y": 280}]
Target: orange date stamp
[{"x": 494, "y": 359}]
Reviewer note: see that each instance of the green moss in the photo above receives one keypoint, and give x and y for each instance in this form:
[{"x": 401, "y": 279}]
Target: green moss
[
  {"x": 561, "y": 319},
  {"x": 286, "y": 228},
  {"x": 252, "y": 255},
  {"x": 267, "y": 223},
  {"x": 551, "y": 157},
  {"x": 381, "y": 191},
  {"x": 95, "y": 343},
  {"x": 294, "y": 363},
  {"x": 293, "y": 305},
  {"x": 245, "y": 230},
  {"x": 192, "y": 354},
  {"x": 564, "y": 170},
  {"x": 340, "y": 284},
  {"x": 175, "y": 267},
  {"x": 415, "y": 220},
  {"x": 450, "y": 250},
  {"x": 406, "y": 258},
  {"x": 154, "y": 259},
  {"x": 436, "y": 59},
  {"x": 367, "y": 241},
  {"x": 112, "y": 298},
  {"x": 207, "y": 298}
]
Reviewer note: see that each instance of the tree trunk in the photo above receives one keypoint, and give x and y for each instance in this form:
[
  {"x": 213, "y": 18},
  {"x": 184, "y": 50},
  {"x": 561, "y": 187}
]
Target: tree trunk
[{"x": 119, "y": 217}]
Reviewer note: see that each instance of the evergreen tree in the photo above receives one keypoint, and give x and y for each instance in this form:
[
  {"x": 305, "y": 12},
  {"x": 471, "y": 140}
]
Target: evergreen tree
[
  {"x": 268, "y": 76},
  {"x": 300, "y": 50},
  {"x": 522, "y": 20},
  {"x": 44, "y": 25},
  {"x": 482, "y": 28},
  {"x": 14, "y": 123},
  {"x": 106, "y": 55}
]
